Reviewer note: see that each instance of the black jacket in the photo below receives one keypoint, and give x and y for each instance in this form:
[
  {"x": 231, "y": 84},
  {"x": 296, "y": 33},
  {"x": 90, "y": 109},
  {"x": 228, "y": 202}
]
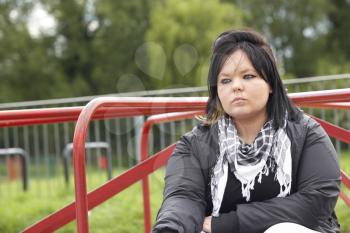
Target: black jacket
[{"x": 315, "y": 185}]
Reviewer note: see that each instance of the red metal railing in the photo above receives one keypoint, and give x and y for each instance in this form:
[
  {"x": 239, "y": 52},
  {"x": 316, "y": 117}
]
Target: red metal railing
[
  {"x": 80, "y": 138},
  {"x": 332, "y": 130},
  {"x": 162, "y": 118},
  {"x": 344, "y": 136},
  {"x": 146, "y": 106},
  {"x": 106, "y": 191}
]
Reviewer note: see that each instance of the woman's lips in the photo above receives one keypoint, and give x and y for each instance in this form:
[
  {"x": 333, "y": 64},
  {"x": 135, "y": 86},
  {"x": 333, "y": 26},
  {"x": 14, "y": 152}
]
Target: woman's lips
[{"x": 238, "y": 99}]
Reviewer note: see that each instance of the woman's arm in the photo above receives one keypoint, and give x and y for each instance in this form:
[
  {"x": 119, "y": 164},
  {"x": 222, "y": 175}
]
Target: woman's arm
[
  {"x": 318, "y": 183},
  {"x": 183, "y": 206}
]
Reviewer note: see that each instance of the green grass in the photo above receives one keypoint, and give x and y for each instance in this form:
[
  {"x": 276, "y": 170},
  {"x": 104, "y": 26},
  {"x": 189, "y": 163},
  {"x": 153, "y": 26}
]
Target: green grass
[
  {"x": 122, "y": 213},
  {"x": 342, "y": 210}
]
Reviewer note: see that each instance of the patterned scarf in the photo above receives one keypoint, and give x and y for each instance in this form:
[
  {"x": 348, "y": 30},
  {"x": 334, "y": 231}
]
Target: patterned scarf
[{"x": 250, "y": 161}]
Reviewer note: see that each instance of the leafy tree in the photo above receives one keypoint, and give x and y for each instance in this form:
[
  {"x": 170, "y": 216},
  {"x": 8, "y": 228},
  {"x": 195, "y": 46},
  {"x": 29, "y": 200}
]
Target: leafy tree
[
  {"x": 180, "y": 37},
  {"x": 297, "y": 30},
  {"x": 25, "y": 71},
  {"x": 336, "y": 57},
  {"x": 96, "y": 41}
]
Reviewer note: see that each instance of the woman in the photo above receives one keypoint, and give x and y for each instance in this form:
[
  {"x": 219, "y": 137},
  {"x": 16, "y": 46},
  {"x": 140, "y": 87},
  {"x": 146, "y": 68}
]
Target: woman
[{"x": 257, "y": 164}]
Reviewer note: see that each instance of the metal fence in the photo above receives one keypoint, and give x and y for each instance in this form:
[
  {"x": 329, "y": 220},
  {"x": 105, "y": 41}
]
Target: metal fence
[{"x": 46, "y": 145}]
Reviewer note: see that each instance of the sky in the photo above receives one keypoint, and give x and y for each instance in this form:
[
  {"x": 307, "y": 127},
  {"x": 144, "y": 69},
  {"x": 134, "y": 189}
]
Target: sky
[{"x": 40, "y": 22}]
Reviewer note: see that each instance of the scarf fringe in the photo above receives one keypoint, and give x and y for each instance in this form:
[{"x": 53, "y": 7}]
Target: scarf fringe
[{"x": 278, "y": 159}]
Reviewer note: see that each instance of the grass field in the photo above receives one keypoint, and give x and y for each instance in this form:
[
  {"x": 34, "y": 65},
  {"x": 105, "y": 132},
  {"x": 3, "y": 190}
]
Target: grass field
[{"x": 122, "y": 214}]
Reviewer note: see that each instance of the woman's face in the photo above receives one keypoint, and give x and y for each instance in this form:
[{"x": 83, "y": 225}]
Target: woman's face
[{"x": 242, "y": 92}]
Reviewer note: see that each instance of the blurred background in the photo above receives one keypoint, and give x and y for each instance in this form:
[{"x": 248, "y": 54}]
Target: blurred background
[
  {"x": 55, "y": 49},
  {"x": 62, "y": 53}
]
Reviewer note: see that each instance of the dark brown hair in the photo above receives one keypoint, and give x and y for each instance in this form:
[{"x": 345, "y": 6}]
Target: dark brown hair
[{"x": 261, "y": 56}]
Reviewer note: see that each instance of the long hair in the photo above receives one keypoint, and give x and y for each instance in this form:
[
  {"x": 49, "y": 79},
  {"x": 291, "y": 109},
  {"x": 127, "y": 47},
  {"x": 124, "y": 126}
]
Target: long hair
[{"x": 261, "y": 56}]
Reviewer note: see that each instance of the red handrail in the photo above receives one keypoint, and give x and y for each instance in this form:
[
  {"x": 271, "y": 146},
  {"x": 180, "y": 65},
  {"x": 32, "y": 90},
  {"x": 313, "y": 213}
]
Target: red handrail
[
  {"x": 80, "y": 138},
  {"x": 344, "y": 136},
  {"x": 344, "y": 106},
  {"x": 55, "y": 116},
  {"x": 62, "y": 114},
  {"x": 161, "y": 118},
  {"x": 299, "y": 98},
  {"x": 337, "y": 95},
  {"x": 99, "y": 195}
]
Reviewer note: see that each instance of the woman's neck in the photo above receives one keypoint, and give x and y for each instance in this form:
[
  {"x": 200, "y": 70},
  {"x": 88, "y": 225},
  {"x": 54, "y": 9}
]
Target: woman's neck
[{"x": 249, "y": 129}]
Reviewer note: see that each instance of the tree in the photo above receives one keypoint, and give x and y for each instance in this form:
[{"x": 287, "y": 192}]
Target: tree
[
  {"x": 97, "y": 40},
  {"x": 25, "y": 71},
  {"x": 337, "y": 51},
  {"x": 296, "y": 29},
  {"x": 179, "y": 40}
]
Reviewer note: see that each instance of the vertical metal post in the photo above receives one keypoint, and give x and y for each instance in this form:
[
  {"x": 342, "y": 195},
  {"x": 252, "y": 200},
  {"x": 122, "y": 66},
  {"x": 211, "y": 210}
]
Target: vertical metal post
[
  {"x": 27, "y": 149},
  {"x": 138, "y": 122},
  {"x": 46, "y": 157},
  {"x": 162, "y": 135},
  {"x": 57, "y": 141},
  {"x": 7, "y": 145},
  {"x": 109, "y": 150},
  {"x": 336, "y": 121},
  {"x": 37, "y": 159},
  {"x": 129, "y": 141},
  {"x": 183, "y": 127},
  {"x": 118, "y": 143},
  {"x": 172, "y": 132}
]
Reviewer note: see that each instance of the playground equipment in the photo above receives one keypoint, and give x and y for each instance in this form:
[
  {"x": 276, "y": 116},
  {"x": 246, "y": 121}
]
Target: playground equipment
[
  {"x": 12, "y": 152},
  {"x": 141, "y": 106}
]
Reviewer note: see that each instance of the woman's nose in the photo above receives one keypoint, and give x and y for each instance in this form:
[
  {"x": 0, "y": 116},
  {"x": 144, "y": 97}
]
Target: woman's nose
[{"x": 237, "y": 84}]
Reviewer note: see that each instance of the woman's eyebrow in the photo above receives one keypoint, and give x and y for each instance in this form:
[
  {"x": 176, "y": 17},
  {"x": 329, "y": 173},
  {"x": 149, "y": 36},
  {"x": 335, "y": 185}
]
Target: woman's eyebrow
[
  {"x": 246, "y": 70},
  {"x": 239, "y": 71}
]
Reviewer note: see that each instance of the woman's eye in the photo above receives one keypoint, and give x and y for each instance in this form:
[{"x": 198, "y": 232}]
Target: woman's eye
[
  {"x": 225, "y": 80},
  {"x": 248, "y": 76}
]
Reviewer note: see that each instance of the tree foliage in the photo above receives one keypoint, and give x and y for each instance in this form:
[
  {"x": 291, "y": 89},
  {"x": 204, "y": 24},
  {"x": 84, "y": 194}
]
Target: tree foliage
[
  {"x": 296, "y": 30},
  {"x": 108, "y": 46},
  {"x": 25, "y": 71},
  {"x": 184, "y": 32}
]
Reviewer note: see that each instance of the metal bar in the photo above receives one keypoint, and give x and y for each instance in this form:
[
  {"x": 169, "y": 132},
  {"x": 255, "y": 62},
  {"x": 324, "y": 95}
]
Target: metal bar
[
  {"x": 88, "y": 145},
  {"x": 7, "y": 145},
  {"x": 129, "y": 142},
  {"x": 334, "y": 131},
  {"x": 339, "y": 95},
  {"x": 162, "y": 135},
  {"x": 172, "y": 91},
  {"x": 37, "y": 159},
  {"x": 57, "y": 140},
  {"x": 80, "y": 138},
  {"x": 118, "y": 143},
  {"x": 345, "y": 198},
  {"x": 162, "y": 118},
  {"x": 65, "y": 215},
  {"x": 96, "y": 125},
  {"x": 24, "y": 162},
  {"x": 344, "y": 106},
  {"x": 138, "y": 106},
  {"x": 46, "y": 157},
  {"x": 345, "y": 179},
  {"x": 109, "y": 150},
  {"x": 85, "y": 119},
  {"x": 127, "y": 103},
  {"x": 51, "y": 118}
]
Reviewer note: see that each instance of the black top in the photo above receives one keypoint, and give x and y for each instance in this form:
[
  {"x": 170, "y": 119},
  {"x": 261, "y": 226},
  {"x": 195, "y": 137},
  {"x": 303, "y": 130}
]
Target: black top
[
  {"x": 314, "y": 192},
  {"x": 268, "y": 188}
]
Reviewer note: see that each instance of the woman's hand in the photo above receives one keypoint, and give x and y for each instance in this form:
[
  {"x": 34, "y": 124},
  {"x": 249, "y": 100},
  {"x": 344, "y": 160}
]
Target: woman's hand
[{"x": 207, "y": 224}]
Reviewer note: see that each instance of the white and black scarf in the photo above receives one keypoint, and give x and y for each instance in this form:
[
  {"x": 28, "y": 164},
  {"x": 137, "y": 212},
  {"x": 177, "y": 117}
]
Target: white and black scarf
[{"x": 250, "y": 161}]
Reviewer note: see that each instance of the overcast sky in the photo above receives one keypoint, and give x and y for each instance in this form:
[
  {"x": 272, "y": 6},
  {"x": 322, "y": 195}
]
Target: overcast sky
[{"x": 40, "y": 22}]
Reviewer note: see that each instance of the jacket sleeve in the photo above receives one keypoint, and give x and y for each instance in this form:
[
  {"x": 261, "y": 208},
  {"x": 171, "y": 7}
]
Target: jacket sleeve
[
  {"x": 183, "y": 207},
  {"x": 318, "y": 184}
]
